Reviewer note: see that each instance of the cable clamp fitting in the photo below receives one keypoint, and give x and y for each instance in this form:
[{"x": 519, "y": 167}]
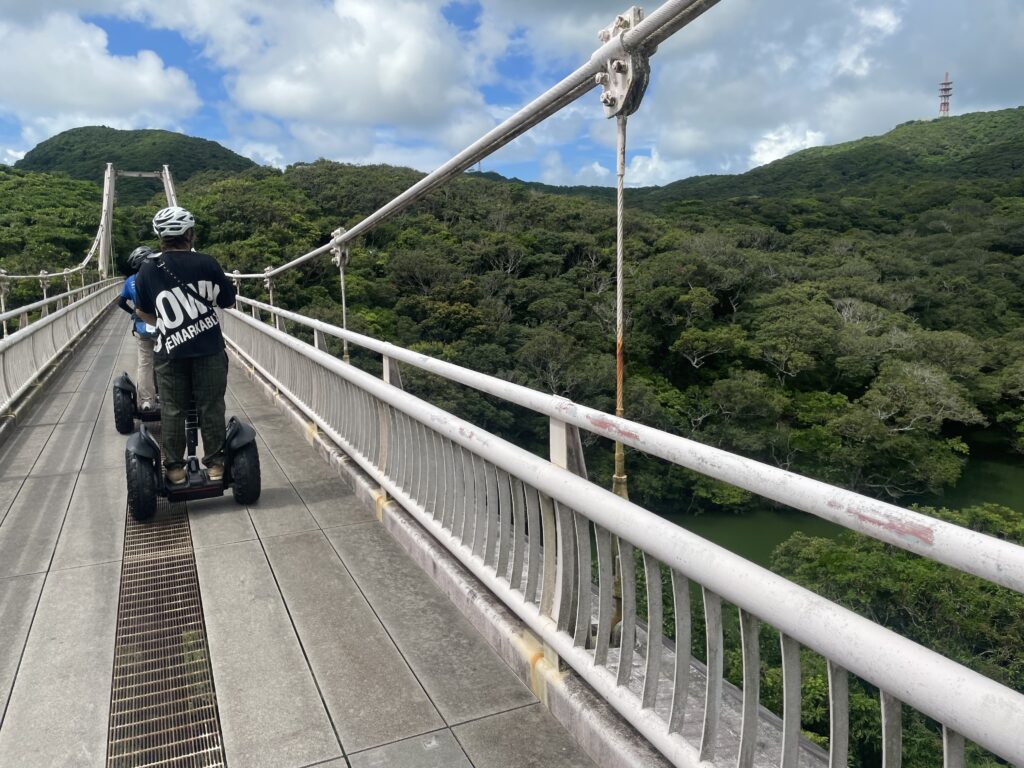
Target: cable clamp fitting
[
  {"x": 339, "y": 248},
  {"x": 625, "y": 79}
]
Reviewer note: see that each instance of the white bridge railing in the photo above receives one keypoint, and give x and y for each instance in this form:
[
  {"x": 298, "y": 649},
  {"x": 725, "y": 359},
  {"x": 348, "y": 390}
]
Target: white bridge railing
[
  {"x": 27, "y": 352},
  {"x": 536, "y": 533}
]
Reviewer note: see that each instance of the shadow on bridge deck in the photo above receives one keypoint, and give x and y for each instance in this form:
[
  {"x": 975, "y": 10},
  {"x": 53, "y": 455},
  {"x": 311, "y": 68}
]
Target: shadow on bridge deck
[{"x": 329, "y": 646}]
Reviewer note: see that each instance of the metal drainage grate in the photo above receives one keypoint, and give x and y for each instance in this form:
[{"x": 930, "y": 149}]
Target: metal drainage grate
[{"x": 163, "y": 707}]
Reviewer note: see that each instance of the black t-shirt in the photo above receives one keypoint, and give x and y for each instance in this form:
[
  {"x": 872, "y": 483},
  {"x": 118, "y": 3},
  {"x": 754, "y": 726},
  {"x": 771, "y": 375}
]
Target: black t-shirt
[{"x": 186, "y": 327}]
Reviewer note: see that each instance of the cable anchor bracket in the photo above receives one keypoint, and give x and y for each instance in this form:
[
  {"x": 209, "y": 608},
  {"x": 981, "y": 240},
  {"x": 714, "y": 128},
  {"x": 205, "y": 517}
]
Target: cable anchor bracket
[
  {"x": 339, "y": 250},
  {"x": 625, "y": 79}
]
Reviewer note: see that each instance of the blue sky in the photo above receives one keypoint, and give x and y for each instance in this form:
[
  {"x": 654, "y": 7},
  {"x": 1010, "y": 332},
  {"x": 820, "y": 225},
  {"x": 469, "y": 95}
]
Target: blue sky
[{"x": 414, "y": 81}]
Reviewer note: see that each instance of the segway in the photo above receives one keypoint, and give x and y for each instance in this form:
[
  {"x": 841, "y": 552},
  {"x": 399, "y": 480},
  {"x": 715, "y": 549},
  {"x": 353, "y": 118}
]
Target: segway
[
  {"x": 146, "y": 479},
  {"x": 126, "y": 406}
]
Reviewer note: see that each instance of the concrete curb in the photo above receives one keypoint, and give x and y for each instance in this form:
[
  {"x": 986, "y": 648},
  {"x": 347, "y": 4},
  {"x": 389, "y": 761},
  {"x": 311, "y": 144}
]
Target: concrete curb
[{"x": 606, "y": 737}]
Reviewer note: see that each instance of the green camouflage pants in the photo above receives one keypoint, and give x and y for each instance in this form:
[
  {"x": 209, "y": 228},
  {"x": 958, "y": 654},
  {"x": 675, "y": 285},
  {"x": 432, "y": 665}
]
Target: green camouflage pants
[{"x": 178, "y": 380}]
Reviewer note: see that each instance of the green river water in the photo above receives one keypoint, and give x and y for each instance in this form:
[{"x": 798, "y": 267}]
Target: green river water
[{"x": 991, "y": 475}]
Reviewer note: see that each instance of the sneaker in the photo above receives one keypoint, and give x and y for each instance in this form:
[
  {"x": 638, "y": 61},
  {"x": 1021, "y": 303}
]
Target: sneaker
[
  {"x": 215, "y": 471},
  {"x": 176, "y": 475}
]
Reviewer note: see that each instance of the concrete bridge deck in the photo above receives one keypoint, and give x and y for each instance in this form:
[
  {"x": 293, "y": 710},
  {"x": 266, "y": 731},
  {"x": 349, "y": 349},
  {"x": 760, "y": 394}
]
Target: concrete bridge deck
[{"x": 328, "y": 645}]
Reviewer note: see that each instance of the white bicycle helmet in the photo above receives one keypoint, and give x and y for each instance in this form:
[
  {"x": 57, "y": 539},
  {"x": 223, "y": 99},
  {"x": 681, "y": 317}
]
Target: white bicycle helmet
[{"x": 172, "y": 222}]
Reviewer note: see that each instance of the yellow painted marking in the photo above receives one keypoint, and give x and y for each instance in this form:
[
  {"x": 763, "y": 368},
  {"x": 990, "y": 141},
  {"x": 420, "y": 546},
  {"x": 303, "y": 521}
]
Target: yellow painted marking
[
  {"x": 544, "y": 671},
  {"x": 380, "y": 499}
]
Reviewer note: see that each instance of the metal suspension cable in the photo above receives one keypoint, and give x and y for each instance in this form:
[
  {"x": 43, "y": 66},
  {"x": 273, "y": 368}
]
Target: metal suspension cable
[
  {"x": 664, "y": 22},
  {"x": 168, "y": 183},
  {"x": 619, "y": 478},
  {"x": 67, "y": 271}
]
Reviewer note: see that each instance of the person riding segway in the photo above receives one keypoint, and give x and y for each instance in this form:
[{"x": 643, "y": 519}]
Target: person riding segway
[
  {"x": 177, "y": 293},
  {"x": 136, "y": 400}
]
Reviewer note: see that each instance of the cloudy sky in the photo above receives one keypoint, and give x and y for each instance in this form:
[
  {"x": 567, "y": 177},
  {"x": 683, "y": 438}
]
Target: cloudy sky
[{"x": 411, "y": 82}]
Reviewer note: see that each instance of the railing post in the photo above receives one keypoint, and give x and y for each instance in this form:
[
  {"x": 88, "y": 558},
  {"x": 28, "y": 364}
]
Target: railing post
[
  {"x": 558, "y": 446},
  {"x": 340, "y": 260},
  {"x": 384, "y": 428},
  {"x": 44, "y": 283},
  {"x": 552, "y": 602},
  {"x": 392, "y": 375},
  {"x": 268, "y": 283},
  {"x": 4, "y": 288},
  {"x": 67, "y": 280}
]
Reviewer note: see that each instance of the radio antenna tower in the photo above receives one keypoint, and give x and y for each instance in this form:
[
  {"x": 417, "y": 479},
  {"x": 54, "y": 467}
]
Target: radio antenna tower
[{"x": 945, "y": 91}]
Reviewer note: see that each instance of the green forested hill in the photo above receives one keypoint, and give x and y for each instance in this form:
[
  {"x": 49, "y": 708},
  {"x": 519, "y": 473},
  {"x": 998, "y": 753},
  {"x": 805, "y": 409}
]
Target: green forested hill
[
  {"x": 928, "y": 160},
  {"x": 82, "y": 153},
  {"x": 932, "y": 160}
]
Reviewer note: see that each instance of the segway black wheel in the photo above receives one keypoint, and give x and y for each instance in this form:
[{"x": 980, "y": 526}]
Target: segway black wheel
[
  {"x": 124, "y": 412},
  {"x": 141, "y": 487},
  {"x": 245, "y": 474}
]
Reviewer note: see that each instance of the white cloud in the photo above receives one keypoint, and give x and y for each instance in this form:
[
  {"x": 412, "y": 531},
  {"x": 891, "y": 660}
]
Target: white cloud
[
  {"x": 58, "y": 74},
  {"x": 333, "y": 142},
  {"x": 264, "y": 154},
  {"x": 684, "y": 139},
  {"x": 422, "y": 158},
  {"x": 875, "y": 25},
  {"x": 867, "y": 111},
  {"x": 594, "y": 174},
  {"x": 367, "y": 82},
  {"x": 784, "y": 140},
  {"x": 882, "y": 19},
  {"x": 642, "y": 170},
  {"x": 10, "y": 156},
  {"x": 465, "y": 127},
  {"x": 334, "y": 63},
  {"x": 555, "y": 171},
  {"x": 655, "y": 170}
]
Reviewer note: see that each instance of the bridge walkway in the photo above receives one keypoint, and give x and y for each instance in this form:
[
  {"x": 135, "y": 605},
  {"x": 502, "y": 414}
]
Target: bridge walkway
[{"x": 328, "y": 645}]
